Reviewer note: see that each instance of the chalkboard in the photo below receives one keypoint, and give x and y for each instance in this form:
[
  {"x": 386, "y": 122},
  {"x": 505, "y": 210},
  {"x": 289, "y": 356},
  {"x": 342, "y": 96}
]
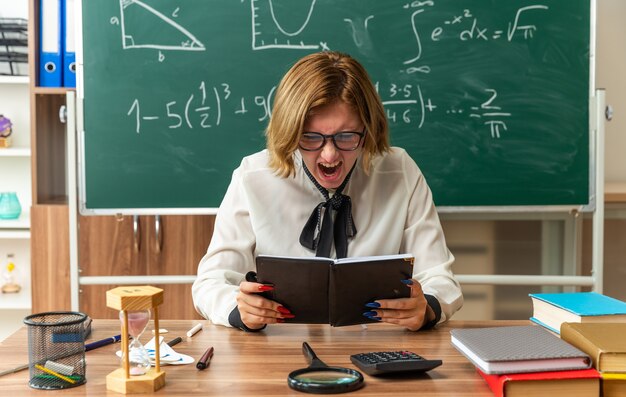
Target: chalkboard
[{"x": 491, "y": 98}]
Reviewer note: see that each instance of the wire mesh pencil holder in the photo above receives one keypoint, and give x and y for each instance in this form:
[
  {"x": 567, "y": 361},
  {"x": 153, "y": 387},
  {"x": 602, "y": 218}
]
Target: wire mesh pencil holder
[{"x": 56, "y": 350}]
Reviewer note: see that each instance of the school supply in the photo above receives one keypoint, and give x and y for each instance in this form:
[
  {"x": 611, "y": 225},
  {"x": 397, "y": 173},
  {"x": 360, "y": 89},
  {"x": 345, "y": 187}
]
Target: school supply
[
  {"x": 50, "y": 48},
  {"x": 604, "y": 342},
  {"x": 489, "y": 131},
  {"x": 69, "y": 44},
  {"x": 551, "y": 310},
  {"x": 205, "y": 360},
  {"x": 319, "y": 378},
  {"x": 389, "y": 362},
  {"x": 324, "y": 290},
  {"x": 56, "y": 349},
  {"x": 577, "y": 383},
  {"x": 517, "y": 349},
  {"x": 613, "y": 385}
]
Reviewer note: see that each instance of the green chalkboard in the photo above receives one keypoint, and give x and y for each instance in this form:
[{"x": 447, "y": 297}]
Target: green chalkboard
[{"x": 490, "y": 97}]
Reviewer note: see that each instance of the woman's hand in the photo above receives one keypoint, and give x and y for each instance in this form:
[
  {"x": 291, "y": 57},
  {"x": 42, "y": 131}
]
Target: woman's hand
[
  {"x": 411, "y": 313},
  {"x": 255, "y": 310}
]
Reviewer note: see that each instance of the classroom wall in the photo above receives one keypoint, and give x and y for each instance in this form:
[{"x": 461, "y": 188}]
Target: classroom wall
[
  {"x": 474, "y": 242},
  {"x": 610, "y": 67},
  {"x": 14, "y": 8}
]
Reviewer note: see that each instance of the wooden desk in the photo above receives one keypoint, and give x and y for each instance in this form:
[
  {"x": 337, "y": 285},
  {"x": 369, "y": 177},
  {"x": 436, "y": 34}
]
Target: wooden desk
[{"x": 257, "y": 364}]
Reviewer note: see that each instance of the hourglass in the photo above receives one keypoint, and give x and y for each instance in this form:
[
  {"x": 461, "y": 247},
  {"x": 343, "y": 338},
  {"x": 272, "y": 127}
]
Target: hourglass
[
  {"x": 138, "y": 358},
  {"x": 135, "y": 305}
]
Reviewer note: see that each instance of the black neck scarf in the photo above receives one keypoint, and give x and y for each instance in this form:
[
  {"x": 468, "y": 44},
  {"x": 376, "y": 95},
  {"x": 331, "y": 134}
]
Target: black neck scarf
[{"x": 342, "y": 228}]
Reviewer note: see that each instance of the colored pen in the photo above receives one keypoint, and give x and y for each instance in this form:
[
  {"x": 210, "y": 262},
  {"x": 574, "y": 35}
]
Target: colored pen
[
  {"x": 51, "y": 372},
  {"x": 26, "y": 366},
  {"x": 193, "y": 330},
  {"x": 175, "y": 341},
  {"x": 103, "y": 342},
  {"x": 205, "y": 360}
]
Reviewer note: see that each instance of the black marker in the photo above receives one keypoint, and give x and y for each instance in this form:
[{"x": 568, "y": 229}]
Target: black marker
[
  {"x": 205, "y": 360},
  {"x": 174, "y": 341}
]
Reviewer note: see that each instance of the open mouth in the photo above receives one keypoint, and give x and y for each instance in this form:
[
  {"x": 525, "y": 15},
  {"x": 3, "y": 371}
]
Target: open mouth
[{"x": 329, "y": 170}]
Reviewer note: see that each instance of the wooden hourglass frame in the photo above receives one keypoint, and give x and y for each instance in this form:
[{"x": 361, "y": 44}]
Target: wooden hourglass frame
[{"x": 134, "y": 298}]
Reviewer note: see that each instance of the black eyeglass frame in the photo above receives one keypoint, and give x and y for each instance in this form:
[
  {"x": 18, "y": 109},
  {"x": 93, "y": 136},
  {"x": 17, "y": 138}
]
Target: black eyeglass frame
[{"x": 332, "y": 137}]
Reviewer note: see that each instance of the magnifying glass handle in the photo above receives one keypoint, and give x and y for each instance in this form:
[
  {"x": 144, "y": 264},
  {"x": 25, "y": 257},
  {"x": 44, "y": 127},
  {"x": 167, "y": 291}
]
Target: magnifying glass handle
[
  {"x": 311, "y": 357},
  {"x": 308, "y": 352}
]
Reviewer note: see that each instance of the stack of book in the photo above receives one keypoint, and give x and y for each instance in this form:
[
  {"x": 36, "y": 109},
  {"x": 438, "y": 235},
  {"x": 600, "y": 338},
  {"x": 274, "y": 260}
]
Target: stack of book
[
  {"x": 606, "y": 344},
  {"x": 594, "y": 323},
  {"x": 527, "y": 361},
  {"x": 552, "y": 310}
]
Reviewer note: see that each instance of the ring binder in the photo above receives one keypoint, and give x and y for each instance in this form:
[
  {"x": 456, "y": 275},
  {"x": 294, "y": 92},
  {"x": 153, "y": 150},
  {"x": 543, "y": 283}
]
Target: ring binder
[
  {"x": 50, "y": 70},
  {"x": 69, "y": 47}
]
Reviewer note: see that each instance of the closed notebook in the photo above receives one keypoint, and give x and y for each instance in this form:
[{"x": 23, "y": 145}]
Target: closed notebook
[
  {"x": 528, "y": 348},
  {"x": 605, "y": 343},
  {"x": 575, "y": 383},
  {"x": 551, "y": 310},
  {"x": 326, "y": 291}
]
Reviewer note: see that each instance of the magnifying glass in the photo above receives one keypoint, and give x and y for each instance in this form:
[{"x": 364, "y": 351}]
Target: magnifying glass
[{"x": 319, "y": 378}]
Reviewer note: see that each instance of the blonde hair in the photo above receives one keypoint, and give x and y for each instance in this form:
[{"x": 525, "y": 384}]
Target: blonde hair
[{"x": 316, "y": 80}]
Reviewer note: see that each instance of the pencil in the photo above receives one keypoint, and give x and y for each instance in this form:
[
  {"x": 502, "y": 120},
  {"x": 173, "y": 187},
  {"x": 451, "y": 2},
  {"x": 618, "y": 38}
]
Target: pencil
[{"x": 51, "y": 372}]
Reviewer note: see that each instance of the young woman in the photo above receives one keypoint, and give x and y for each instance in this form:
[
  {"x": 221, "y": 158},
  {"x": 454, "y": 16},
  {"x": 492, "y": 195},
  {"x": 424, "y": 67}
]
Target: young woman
[{"x": 328, "y": 184}]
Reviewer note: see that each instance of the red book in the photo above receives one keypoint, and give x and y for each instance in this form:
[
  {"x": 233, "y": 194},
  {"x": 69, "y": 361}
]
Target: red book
[{"x": 575, "y": 383}]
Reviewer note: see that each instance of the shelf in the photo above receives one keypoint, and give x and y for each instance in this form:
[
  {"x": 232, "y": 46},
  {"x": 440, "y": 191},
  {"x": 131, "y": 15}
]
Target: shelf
[
  {"x": 15, "y": 152},
  {"x": 18, "y": 301},
  {"x": 52, "y": 90},
  {"x": 14, "y": 79},
  {"x": 15, "y": 225},
  {"x": 14, "y": 234}
]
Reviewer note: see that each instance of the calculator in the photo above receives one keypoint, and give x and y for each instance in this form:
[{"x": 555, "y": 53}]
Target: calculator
[{"x": 388, "y": 362}]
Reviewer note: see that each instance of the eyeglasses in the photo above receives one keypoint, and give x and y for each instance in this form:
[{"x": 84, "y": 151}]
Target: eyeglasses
[{"x": 347, "y": 141}]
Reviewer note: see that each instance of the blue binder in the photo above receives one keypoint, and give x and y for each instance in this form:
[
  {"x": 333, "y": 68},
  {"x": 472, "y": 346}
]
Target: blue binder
[
  {"x": 50, "y": 44},
  {"x": 69, "y": 44}
]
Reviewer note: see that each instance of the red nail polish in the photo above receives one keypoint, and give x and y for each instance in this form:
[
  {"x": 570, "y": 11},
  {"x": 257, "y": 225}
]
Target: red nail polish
[
  {"x": 283, "y": 310},
  {"x": 288, "y": 316},
  {"x": 264, "y": 288}
]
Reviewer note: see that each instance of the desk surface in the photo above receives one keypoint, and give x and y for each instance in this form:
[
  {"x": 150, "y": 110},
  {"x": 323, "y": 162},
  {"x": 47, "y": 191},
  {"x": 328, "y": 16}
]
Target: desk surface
[{"x": 257, "y": 364}]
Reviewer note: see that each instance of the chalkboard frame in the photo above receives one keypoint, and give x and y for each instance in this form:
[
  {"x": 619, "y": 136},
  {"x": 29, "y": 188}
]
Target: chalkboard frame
[{"x": 583, "y": 207}]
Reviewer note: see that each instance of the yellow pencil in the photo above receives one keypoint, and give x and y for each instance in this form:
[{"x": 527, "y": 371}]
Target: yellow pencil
[{"x": 51, "y": 372}]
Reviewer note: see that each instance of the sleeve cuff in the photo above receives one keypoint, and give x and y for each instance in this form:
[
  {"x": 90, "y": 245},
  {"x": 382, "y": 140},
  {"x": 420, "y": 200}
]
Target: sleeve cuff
[
  {"x": 234, "y": 319},
  {"x": 434, "y": 304}
]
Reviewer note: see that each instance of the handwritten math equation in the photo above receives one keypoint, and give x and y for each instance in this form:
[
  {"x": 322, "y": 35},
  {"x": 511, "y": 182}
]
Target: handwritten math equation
[
  {"x": 201, "y": 110},
  {"x": 466, "y": 27},
  {"x": 405, "y": 103},
  {"x": 208, "y": 106}
]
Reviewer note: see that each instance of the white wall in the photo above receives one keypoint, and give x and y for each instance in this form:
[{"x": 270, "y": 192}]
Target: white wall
[
  {"x": 14, "y": 8},
  {"x": 611, "y": 75}
]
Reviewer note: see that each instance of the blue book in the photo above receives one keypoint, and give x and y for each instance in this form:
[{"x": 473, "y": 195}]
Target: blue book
[{"x": 551, "y": 310}]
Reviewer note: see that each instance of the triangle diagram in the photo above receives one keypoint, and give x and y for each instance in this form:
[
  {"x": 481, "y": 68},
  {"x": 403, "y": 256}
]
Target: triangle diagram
[{"x": 145, "y": 27}]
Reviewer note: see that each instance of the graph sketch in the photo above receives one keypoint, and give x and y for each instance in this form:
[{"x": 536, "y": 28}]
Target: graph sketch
[{"x": 269, "y": 31}]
